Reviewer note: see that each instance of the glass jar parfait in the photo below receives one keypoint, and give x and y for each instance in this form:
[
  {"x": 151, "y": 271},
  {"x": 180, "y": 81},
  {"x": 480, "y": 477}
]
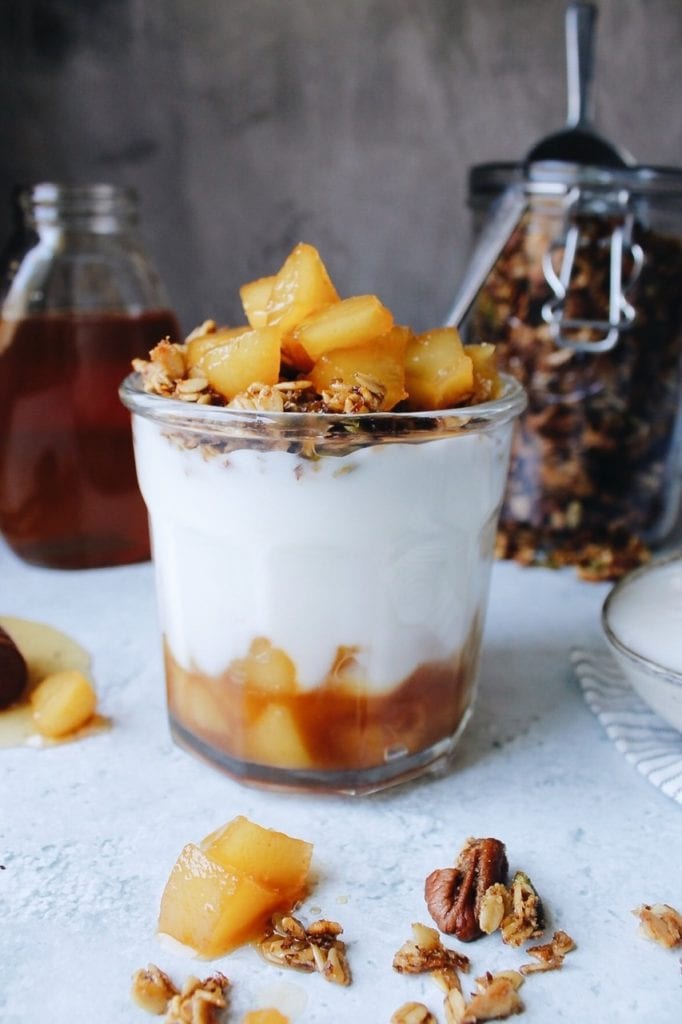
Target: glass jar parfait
[
  {"x": 322, "y": 581},
  {"x": 584, "y": 303},
  {"x": 80, "y": 299}
]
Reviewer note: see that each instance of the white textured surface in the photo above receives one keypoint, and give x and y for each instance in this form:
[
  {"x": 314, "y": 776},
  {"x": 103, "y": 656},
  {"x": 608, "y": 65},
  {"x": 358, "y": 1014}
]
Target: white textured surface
[{"x": 89, "y": 831}]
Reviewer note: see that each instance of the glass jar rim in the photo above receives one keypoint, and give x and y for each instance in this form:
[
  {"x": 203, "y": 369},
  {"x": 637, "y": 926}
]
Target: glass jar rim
[
  {"x": 50, "y": 201},
  {"x": 358, "y": 428},
  {"x": 557, "y": 177},
  {"x": 52, "y": 191}
]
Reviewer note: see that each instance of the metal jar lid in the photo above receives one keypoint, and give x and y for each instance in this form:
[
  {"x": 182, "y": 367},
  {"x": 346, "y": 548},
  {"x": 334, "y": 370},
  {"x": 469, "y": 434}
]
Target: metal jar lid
[{"x": 557, "y": 177}]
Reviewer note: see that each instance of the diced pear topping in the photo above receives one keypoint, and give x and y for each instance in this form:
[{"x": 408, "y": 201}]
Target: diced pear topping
[
  {"x": 211, "y": 908},
  {"x": 301, "y": 286},
  {"x": 438, "y": 372},
  {"x": 62, "y": 703},
  {"x": 221, "y": 894},
  {"x": 255, "y": 297},
  {"x": 486, "y": 376},
  {"x": 200, "y": 344},
  {"x": 253, "y": 355},
  {"x": 346, "y": 324},
  {"x": 347, "y": 355},
  {"x": 274, "y": 859},
  {"x": 381, "y": 360}
]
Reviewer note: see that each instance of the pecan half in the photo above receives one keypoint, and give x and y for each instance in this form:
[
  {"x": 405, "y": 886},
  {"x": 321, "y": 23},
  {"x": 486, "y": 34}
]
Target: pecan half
[{"x": 453, "y": 895}]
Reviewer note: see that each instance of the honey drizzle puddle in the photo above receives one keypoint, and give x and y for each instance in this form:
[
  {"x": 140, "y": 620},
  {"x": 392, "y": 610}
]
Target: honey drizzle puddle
[
  {"x": 45, "y": 650},
  {"x": 17, "y": 729}
]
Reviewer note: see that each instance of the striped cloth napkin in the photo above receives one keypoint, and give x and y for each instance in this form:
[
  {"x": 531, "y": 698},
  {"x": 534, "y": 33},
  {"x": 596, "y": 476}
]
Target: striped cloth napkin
[{"x": 649, "y": 743}]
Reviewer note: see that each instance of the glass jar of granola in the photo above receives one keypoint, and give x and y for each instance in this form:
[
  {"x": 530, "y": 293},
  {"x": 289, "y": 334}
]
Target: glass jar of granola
[
  {"x": 79, "y": 301},
  {"x": 584, "y": 303}
]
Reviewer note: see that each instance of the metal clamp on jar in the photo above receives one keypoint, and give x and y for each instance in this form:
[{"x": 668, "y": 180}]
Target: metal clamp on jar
[{"x": 585, "y": 334}]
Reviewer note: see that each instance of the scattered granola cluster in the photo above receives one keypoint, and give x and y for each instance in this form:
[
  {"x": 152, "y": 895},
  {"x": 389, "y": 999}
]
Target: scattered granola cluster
[
  {"x": 198, "y": 1002},
  {"x": 496, "y": 998},
  {"x": 470, "y": 900},
  {"x": 661, "y": 923},
  {"x": 413, "y": 1013},
  {"x": 424, "y": 953},
  {"x": 285, "y": 943},
  {"x": 550, "y": 955},
  {"x": 167, "y": 372},
  {"x": 496, "y": 995},
  {"x": 288, "y": 943},
  {"x": 366, "y": 395}
]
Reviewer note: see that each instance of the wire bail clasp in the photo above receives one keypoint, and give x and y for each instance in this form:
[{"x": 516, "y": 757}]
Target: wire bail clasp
[{"x": 621, "y": 313}]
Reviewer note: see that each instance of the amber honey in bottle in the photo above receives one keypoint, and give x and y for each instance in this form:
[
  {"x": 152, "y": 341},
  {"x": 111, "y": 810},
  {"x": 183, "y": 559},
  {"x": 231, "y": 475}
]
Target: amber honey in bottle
[{"x": 79, "y": 304}]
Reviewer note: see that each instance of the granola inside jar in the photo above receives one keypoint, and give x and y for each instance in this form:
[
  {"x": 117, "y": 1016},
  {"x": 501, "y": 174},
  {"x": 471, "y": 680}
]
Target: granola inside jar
[{"x": 584, "y": 304}]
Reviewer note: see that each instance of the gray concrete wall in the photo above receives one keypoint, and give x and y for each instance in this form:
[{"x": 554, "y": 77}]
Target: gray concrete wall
[{"x": 250, "y": 124}]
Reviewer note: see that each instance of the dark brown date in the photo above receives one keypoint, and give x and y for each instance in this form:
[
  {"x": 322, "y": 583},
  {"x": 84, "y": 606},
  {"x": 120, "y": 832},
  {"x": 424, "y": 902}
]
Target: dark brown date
[{"x": 13, "y": 671}]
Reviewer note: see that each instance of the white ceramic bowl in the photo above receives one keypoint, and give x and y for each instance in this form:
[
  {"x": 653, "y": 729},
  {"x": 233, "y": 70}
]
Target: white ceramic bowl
[{"x": 642, "y": 622}]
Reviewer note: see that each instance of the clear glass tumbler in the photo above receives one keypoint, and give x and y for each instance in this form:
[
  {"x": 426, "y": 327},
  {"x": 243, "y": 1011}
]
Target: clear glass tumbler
[{"x": 322, "y": 581}]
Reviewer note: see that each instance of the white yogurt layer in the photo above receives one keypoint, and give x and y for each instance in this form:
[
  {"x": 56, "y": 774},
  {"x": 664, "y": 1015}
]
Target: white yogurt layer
[
  {"x": 646, "y": 614},
  {"x": 387, "y": 548}
]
